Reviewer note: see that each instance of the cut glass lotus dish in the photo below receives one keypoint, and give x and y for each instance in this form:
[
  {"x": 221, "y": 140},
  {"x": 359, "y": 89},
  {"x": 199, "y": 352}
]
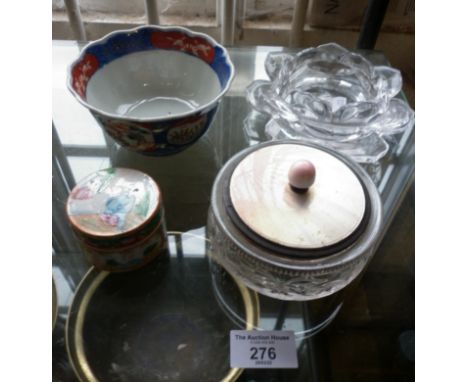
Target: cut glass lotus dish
[{"x": 333, "y": 97}]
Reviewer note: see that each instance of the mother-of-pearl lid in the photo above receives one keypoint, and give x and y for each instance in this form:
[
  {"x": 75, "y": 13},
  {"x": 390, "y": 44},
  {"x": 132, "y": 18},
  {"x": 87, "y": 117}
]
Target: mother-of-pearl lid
[
  {"x": 297, "y": 199},
  {"x": 113, "y": 202}
]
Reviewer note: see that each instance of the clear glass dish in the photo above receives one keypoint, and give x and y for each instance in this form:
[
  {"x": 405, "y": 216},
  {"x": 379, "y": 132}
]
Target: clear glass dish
[{"x": 333, "y": 97}]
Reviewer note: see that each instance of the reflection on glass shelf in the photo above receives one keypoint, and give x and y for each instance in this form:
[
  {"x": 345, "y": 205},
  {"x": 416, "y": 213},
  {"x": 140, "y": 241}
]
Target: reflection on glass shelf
[
  {"x": 293, "y": 324},
  {"x": 74, "y": 124},
  {"x": 191, "y": 243},
  {"x": 171, "y": 240},
  {"x": 64, "y": 292},
  {"x": 83, "y": 166}
]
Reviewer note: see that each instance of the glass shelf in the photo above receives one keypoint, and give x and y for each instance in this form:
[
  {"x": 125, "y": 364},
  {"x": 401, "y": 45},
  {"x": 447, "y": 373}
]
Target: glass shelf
[{"x": 370, "y": 338}]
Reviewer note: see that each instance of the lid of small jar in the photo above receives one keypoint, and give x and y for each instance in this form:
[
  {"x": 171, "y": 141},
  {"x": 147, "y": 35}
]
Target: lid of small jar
[
  {"x": 111, "y": 202},
  {"x": 298, "y": 197}
]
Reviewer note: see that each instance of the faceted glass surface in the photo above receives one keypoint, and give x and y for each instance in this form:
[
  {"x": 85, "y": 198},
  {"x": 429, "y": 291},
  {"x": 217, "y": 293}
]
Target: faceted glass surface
[{"x": 334, "y": 97}]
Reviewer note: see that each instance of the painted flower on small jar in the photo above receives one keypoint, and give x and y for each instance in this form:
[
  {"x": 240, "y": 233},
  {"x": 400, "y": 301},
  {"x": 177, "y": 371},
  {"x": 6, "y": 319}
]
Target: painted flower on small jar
[
  {"x": 82, "y": 193},
  {"x": 116, "y": 210}
]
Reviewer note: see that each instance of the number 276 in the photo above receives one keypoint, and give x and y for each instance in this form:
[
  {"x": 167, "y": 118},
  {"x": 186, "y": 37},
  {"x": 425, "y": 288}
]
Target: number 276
[{"x": 259, "y": 353}]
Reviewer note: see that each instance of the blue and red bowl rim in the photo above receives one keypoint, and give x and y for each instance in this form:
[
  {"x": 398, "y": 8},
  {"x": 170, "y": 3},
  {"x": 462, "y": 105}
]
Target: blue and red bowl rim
[{"x": 220, "y": 58}]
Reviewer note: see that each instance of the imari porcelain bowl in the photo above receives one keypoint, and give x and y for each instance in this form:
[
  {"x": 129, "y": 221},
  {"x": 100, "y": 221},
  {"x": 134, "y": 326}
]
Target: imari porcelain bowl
[{"x": 154, "y": 89}]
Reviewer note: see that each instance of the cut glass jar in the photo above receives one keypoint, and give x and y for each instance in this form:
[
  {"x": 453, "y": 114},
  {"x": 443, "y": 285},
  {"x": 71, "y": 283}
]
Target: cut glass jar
[{"x": 292, "y": 245}]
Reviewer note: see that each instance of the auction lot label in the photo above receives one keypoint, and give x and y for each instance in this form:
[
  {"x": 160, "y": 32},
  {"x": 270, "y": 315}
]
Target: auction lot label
[{"x": 275, "y": 349}]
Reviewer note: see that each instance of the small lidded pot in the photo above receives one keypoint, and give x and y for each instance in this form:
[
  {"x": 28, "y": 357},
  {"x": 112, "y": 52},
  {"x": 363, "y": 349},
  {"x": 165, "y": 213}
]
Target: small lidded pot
[
  {"x": 117, "y": 216},
  {"x": 293, "y": 220}
]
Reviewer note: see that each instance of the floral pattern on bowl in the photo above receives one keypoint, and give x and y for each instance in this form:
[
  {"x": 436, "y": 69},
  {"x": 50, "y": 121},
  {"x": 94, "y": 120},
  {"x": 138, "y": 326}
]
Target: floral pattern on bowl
[{"x": 332, "y": 96}]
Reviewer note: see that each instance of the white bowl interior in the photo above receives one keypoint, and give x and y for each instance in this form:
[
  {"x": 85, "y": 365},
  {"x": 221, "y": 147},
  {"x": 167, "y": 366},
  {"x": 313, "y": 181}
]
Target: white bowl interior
[{"x": 153, "y": 84}]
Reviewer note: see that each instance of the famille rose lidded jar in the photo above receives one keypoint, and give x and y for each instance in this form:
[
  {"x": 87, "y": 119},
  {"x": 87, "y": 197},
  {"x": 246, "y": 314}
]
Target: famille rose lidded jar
[
  {"x": 293, "y": 220},
  {"x": 117, "y": 216}
]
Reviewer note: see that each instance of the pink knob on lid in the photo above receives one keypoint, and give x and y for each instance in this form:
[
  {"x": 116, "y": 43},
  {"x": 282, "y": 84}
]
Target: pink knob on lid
[{"x": 301, "y": 175}]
